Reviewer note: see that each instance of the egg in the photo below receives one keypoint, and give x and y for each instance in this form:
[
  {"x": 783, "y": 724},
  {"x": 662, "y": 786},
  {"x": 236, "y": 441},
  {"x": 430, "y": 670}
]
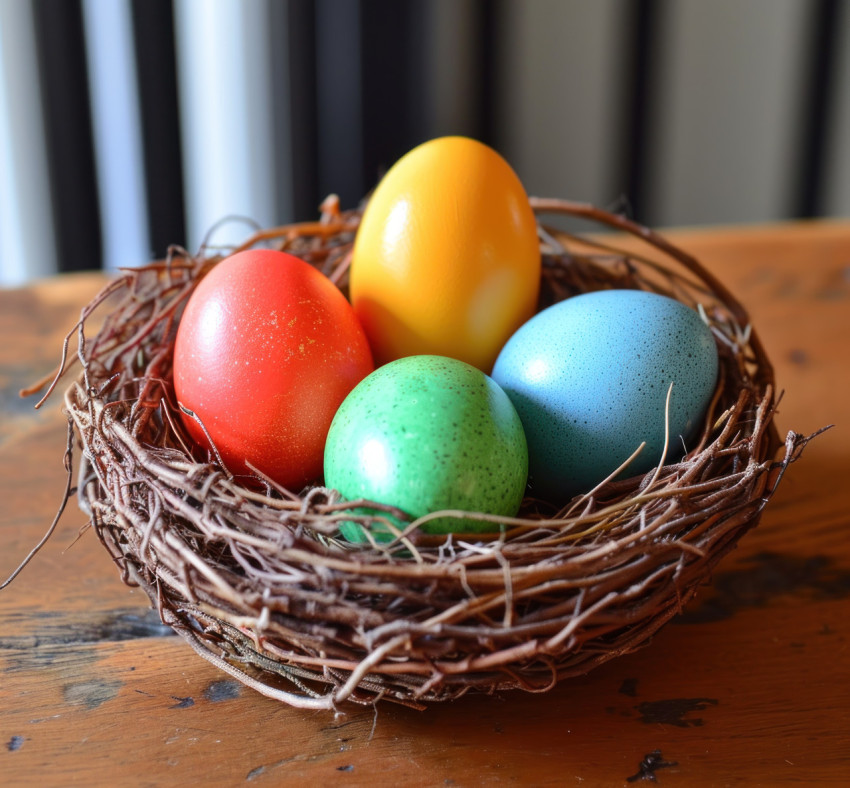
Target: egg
[
  {"x": 266, "y": 350},
  {"x": 589, "y": 377},
  {"x": 424, "y": 434},
  {"x": 446, "y": 260}
]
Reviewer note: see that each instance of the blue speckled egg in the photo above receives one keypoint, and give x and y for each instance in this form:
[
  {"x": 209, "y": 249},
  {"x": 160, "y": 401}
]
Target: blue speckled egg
[
  {"x": 427, "y": 433},
  {"x": 589, "y": 378}
]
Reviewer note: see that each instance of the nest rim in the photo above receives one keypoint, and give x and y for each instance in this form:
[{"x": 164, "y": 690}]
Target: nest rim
[{"x": 258, "y": 584}]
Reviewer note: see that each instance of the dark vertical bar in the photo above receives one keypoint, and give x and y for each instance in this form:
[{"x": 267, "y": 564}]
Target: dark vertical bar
[
  {"x": 299, "y": 71},
  {"x": 339, "y": 132},
  {"x": 817, "y": 106},
  {"x": 488, "y": 15},
  {"x": 643, "y": 32},
  {"x": 419, "y": 43},
  {"x": 156, "y": 67},
  {"x": 392, "y": 82},
  {"x": 70, "y": 149}
]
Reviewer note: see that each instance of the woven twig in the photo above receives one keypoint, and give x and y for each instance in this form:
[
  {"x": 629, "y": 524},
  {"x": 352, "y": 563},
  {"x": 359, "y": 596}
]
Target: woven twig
[{"x": 256, "y": 580}]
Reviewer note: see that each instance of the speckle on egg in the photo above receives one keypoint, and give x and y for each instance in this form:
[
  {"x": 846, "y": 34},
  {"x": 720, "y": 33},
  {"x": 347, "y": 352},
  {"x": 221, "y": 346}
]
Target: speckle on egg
[{"x": 589, "y": 378}]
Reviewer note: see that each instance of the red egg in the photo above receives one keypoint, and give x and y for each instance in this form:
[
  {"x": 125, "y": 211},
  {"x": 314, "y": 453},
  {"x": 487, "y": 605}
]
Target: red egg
[{"x": 265, "y": 352}]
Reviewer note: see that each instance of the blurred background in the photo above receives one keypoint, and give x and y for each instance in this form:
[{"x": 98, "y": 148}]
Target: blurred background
[{"x": 130, "y": 125}]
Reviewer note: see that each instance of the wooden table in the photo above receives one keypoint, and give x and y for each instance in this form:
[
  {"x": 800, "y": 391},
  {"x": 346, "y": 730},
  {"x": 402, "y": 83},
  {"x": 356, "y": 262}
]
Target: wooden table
[{"x": 750, "y": 686}]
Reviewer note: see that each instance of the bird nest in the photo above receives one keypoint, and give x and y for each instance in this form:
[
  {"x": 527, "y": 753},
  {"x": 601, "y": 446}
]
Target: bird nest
[{"x": 258, "y": 581}]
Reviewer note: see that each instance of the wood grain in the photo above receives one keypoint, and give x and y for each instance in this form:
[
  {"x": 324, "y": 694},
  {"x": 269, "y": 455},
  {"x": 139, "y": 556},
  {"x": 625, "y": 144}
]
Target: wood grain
[{"x": 751, "y": 685}]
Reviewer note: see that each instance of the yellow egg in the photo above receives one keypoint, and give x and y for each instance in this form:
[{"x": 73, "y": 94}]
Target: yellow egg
[{"x": 446, "y": 260}]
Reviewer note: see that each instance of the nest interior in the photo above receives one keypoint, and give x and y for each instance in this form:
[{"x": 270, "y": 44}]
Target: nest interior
[{"x": 257, "y": 581}]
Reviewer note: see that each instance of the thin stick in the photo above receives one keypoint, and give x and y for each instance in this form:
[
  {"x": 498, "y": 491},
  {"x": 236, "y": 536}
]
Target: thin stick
[{"x": 68, "y": 492}]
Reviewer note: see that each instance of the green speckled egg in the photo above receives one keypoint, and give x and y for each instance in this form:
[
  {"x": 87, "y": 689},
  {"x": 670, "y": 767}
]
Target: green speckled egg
[{"x": 427, "y": 433}]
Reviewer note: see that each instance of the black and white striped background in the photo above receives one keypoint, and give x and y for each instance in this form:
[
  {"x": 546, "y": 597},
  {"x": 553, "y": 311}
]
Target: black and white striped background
[{"x": 128, "y": 125}]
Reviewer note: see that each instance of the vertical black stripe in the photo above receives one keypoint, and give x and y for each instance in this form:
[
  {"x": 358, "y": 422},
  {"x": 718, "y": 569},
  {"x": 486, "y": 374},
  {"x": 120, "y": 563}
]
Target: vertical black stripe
[
  {"x": 338, "y": 100},
  {"x": 488, "y": 15},
  {"x": 300, "y": 73},
  {"x": 156, "y": 68},
  {"x": 63, "y": 74},
  {"x": 817, "y": 106},
  {"x": 643, "y": 33},
  {"x": 419, "y": 43},
  {"x": 392, "y": 82}
]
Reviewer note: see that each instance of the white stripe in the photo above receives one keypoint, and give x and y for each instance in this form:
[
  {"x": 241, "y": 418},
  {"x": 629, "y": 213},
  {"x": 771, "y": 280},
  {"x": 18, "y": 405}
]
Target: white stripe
[
  {"x": 27, "y": 239},
  {"x": 116, "y": 122},
  {"x": 728, "y": 124},
  {"x": 560, "y": 75},
  {"x": 225, "y": 93}
]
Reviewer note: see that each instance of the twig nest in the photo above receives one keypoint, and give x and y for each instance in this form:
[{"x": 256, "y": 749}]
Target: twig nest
[{"x": 257, "y": 579}]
